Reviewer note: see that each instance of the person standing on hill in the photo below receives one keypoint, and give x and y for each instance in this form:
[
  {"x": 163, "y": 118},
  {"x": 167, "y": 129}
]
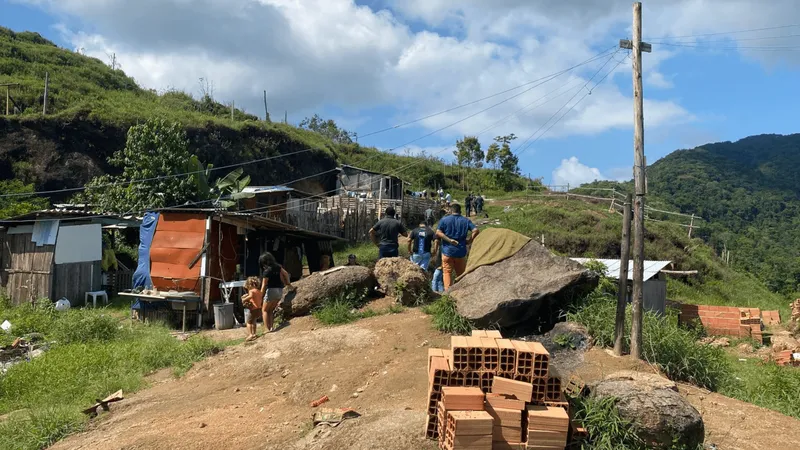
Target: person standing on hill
[
  {"x": 479, "y": 204},
  {"x": 454, "y": 232},
  {"x": 273, "y": 279},
  {"x": 384, "y": 234},
  {"x": 421, "y": 245},
  {"x": 468, "y": 204}
]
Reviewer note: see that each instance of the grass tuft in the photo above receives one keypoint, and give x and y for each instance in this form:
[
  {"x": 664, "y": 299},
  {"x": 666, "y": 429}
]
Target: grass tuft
[{"x": 446, "y": 317}]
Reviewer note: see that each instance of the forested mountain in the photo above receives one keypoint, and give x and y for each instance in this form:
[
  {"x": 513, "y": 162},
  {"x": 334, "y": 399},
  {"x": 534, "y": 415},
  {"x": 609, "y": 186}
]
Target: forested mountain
[{"x": 749, "y": 193}]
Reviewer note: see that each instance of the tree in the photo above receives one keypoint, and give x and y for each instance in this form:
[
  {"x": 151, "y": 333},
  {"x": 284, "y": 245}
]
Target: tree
[
  {"x": 157, "y": 151},
  {"x": 492, "y": 155},
  {"x": 329, "y": 129},
  {"x": 17, "y": 206},
  {"x": 466, "y": 151},
  {"x": 507, "y": 160}
]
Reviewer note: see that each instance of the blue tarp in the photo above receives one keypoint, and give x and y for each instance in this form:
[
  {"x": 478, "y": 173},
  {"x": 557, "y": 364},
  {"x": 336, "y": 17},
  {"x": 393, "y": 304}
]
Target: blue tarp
[{"x": 141, "y": 277}]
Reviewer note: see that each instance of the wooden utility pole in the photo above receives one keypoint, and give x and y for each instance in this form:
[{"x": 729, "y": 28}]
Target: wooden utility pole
[
  {"x": 691, "y": 224},
  {"x": 622, "y": 287},
  {"x": 232, "y": 106},
  {"x": 46, "y": 82},
  {"x": 637, "y": 46},
  {"x": 285, "y": 117}
]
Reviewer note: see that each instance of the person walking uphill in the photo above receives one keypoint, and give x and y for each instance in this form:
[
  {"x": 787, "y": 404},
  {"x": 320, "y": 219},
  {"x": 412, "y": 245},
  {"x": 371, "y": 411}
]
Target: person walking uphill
[
  {"x": 274, "y": 278},
  {"x": 384, "y": 234},
  {"x": 420, "y": 244},
  {"x": 468, "y": 204},
  {"x": 454, "y": 231}
]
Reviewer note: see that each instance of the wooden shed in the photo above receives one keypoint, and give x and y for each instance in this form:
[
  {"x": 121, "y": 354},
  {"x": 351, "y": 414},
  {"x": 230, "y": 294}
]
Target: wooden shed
[
  {"x": 369, "y": 184},
  {"x": 54, "y": 254}
]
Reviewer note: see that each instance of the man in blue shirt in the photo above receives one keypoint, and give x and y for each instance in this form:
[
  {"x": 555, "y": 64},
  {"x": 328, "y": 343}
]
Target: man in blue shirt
[
  {"x": 454, "y": 232},
  {"x": 421, "y": 245}
]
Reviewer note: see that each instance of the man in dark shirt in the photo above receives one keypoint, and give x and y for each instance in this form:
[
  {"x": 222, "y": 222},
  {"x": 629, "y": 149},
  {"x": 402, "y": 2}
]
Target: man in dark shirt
[
  {"x": 429, "y": 217},
  {"x": 479, "y": 204},
  {"x": 454, "y": 231},
  {"x": 468, "y": 204},
  {"x": 421, "y": 245},
  {"x": 384, "y": 234}
]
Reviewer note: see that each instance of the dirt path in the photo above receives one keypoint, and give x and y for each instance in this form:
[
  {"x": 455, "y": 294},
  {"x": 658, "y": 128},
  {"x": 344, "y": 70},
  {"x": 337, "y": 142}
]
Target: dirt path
[{"x": 256, "y": 396}]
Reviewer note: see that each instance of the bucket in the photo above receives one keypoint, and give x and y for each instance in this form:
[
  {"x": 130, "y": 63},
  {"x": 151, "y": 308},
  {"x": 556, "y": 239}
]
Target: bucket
[{"x": 223, "y": 316}]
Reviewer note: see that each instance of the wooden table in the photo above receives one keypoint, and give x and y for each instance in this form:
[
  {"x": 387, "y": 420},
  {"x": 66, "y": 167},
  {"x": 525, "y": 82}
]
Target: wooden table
[{"x": 171, "y": 298}]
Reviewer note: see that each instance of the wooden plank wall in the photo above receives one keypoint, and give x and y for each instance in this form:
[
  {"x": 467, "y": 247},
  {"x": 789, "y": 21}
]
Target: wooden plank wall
[
  {"x": 28, "y": 269},
  {"x": 74, "y": 280}
]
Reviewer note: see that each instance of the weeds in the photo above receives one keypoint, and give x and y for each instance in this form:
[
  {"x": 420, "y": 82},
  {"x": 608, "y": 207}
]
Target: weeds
[
  {"x": 765, "y": 384},
  {"x": 607, "y": 430},
  {"x": 91, "y": 356},
  {"x": 672, "y": 349},
  {"x": 342, "y": 308},
  {"x": 446, "y": 317}
]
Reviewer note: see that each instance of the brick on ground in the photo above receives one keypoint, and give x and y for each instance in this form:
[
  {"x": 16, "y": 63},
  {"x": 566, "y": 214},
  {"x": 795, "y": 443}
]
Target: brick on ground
[
  {"x": 459, "y": 349},
  {"x": 508, "y": 357},
  {"x": 547, "y": 427},
  {"x": 462, "y": 399},
  {"x": 478, "y": 333},
  {"x": 504, "y": 401}
]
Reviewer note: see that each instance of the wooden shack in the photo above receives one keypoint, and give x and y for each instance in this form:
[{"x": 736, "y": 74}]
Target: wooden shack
[
  {"x": 368, "y": 184},
  {"x": 54, "y": 254}
]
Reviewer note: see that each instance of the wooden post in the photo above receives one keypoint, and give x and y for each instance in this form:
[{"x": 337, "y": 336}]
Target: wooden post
[
  {"x": 285, "y": 116},
  {"x": 691, "y": 224},
  {"x": 232, "y": 107},
  {"x": 622, "y": 287},
  {"x": 380, "y": 199},
  {"x": 46, "y": 82},
  {"x": 639, "y": 183},
  {"x": 8, "y": 98}
]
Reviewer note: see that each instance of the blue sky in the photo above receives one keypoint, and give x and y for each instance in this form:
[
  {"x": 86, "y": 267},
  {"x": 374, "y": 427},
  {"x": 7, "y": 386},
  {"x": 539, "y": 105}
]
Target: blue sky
[{"x": 374, "y": 64}]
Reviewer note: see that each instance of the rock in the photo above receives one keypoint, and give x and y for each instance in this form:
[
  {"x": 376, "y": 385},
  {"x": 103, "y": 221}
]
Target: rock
[
  {"x": 402, "y": 279},
  {"x": 745, "y": 347},
  {"x": 203, "y": 425},
  {"x": 716, "y": 341},
  {"x": 312, "y": 290},
  {"x": 567, "y": 343},
  {"x": 355, "y": 395},
  {"x": 783, "y": 340},
  {"x": 661, "y": 416},
  {"x": 531, "y": 283}
]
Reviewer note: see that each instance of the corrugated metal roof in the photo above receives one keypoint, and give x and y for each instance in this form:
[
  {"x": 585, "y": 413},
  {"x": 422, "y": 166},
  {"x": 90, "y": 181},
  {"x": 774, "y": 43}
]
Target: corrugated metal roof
[
  {"x": 266, "y": 189},
  {"x": 651, "y": 268}
]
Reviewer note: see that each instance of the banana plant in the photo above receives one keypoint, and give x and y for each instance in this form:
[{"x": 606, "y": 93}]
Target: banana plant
[{"x": 229, "y": 189}]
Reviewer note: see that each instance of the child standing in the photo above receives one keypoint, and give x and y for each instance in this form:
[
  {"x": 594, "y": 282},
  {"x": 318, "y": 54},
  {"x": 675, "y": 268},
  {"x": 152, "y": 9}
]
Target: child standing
[
  {"x": 253, "y": 301},
  {"x": 437, "y": 283}
]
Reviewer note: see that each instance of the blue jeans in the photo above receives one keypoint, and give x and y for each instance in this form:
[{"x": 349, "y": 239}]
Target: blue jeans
[
  {"x": 437, "y": 284},
  {"x": 422, "y": 260},
  {"x": 388, "y": 251}
]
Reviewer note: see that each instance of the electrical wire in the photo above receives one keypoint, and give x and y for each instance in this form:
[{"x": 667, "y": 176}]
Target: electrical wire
[
  {"x": 760, "y": 38},
  {"x": 410, "y": 122},
  {"x": 522, "y": 147},
  {"x": 160, "y": 177},
  {"x": 723, "y": 32}
]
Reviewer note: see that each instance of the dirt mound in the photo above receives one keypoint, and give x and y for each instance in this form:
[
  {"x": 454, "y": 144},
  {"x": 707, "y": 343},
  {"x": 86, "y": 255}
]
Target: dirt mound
[
  {"x": 312, "y": 290},
  {"x": 402, "y": 279},
  {"x": 661, "y": 416},
  {"x": 533, "y": 283}
]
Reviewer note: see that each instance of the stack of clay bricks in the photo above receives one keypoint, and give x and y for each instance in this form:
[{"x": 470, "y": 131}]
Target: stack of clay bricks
[
  {"x": 547, "y": 428},
  {"x": 462, "y": 422},
  {"x": 787, "y": 358},
  {"x": 511, "y": 374},
  {"x": 730, "y": 321}
]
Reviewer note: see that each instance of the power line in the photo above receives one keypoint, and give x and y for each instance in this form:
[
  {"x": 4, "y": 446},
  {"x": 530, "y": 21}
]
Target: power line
[
  {"x": 520, "y": 148},
  {"x": 731, "y": 47},
  {"x": 160, "y": 177},
  {"x": 760, "y": 38},
  {"x": 598, "y": 56},
  {"x": 723, "y": 32}
]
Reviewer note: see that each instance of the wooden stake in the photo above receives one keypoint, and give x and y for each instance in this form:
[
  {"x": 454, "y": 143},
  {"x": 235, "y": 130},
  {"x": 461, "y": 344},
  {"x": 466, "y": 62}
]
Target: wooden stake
[
  {"x": 639, "y": 182},
  {"x": 232, "y": 106},
  {"x": 46, "y": 82},
  {"x": 691, "y": 224},
  {"x": 8, "y": 100},
  {"x": 622, "y": 287},
  {"x": 266, "y": 110}
]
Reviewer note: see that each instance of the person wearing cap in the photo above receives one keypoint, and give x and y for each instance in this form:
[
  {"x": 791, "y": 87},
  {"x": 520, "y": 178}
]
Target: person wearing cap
[{"x": 351, "y": 260}]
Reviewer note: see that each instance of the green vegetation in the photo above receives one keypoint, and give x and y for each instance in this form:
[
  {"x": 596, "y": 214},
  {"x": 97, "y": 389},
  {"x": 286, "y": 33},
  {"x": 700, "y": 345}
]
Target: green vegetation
[
  {"x": 345, "y": 308},
  {"x": 606, "y": 429},
  {"x": 92, "y": 354},
  {"x": 446, "y": 318},
  {"x": 581, "y": 229},
  {"x": 17, "y": 206},
  {"x": 747, "y": 191},
  {"x": 764, "y": 384}
]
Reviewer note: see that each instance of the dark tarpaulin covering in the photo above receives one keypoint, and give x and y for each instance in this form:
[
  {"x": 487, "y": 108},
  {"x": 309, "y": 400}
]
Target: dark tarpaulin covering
[{"x": 141, "y": 277}]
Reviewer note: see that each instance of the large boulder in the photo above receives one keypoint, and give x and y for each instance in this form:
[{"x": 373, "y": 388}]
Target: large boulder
[
  {"x": 531, "y": 283},
  {"x": 402, "y": 279},
  {"x": 660, "y": 415},
  {"x": 314, "y": 289}
]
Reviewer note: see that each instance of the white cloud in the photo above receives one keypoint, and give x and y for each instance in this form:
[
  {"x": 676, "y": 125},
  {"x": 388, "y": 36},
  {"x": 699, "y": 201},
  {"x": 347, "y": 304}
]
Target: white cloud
[
  {"x": 313, "y": 54},
  {"x": 573, "y": 172}
]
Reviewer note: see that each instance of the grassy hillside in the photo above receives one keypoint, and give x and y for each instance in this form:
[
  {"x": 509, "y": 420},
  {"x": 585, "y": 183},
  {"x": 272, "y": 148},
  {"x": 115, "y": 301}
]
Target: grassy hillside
[
  {"x": 580, "y": 229},
  {"x": 749, "y": 192},
  {"x": 90, "y": 107}
]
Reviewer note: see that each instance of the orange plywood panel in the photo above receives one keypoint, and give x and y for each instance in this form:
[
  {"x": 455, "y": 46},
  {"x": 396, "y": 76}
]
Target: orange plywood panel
[
  {"x": 164, "y": 284},
  {"x": 187, "y": 222},
  {"x": 177, "y": 239},
  {"x": 168, "y": 270},
  {"x": 174, "y": 255}
]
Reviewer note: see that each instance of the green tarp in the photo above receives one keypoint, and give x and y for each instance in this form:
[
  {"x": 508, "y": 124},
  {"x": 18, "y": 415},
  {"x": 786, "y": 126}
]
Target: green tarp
[{"x": 494, "y": 245}]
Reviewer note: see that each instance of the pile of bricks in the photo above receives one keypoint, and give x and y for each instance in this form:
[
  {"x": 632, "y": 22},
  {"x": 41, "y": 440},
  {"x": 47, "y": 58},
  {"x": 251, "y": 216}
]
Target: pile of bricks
[
  {"x": 730, "y": 321},
  {"x": 787, "y": 358},
  {"x": 795, "y": 310},
  {"x": 484, "y": 375}
]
